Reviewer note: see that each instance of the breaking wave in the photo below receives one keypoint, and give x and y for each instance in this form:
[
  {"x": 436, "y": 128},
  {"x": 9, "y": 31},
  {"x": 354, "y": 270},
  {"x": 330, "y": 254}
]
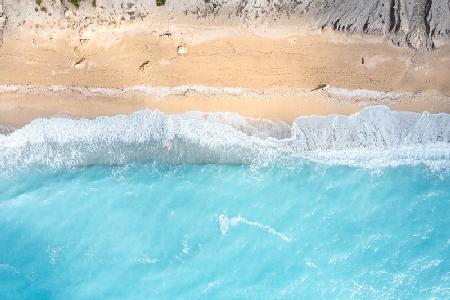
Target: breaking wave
[{"x": 375, "y": 137}]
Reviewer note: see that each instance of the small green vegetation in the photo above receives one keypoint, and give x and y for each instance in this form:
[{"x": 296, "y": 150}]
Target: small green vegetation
[
  {"x": 75, "y": 3},
  {"x": 160, "y": 2},
  {"x": 39, "y": 2}
]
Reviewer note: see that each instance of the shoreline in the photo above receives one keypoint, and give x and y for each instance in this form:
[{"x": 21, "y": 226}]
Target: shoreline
[{"x": 20, "y": 105}]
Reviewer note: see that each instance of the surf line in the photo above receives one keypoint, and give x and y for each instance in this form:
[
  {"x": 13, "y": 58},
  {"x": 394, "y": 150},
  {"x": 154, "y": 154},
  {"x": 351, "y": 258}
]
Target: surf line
[
  {"x": 225, "y": 223},
  {"x": 182, "y": 90}
]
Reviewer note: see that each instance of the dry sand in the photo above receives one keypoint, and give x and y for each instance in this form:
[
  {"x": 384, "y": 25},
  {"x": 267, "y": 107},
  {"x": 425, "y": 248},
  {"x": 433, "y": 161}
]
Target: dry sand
[{"x": 279, "y": 66}]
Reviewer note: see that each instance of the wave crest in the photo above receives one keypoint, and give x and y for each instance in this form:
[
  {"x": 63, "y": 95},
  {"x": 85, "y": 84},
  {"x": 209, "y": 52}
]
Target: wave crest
[{"x": 373, "y": 137}]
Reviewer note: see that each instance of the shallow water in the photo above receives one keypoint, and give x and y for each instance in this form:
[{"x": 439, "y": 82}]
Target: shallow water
[
  {"x": 156, "y": 231},
  {"x": 218, "y": 206}
]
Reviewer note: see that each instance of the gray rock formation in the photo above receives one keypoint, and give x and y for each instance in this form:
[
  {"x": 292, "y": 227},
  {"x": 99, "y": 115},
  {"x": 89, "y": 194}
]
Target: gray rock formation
[
  {"x": 2, "y": 22},
  {"x": 438, "y": 18},
  {"x": 63, "y": 14},
  {"x": 247, "y": 9},
  {"x": 406, "y": 22},
  {"x": 414, "y": 23}
]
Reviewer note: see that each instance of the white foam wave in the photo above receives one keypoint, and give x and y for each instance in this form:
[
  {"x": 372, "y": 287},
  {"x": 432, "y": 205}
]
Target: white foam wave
[
  {"x": 375, "y": 137},
  {"x": 375, "y": 127},
  {"x": 364, "y": 94}
]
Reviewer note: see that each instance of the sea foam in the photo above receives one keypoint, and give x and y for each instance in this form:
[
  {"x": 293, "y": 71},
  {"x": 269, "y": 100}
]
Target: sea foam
[{"x": 375, "y": 137}]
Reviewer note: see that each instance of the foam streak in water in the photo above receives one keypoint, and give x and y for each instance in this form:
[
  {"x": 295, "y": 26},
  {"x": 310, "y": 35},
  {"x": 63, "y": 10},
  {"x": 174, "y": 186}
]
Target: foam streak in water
[{"x": 225, "y": 223}]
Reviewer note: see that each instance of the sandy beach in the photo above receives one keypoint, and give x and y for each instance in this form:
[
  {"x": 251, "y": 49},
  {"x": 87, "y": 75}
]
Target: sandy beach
[{"x": 273, "y": 71}]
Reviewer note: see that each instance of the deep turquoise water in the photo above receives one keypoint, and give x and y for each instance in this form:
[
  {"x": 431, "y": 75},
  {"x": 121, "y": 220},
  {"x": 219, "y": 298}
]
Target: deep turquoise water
[{"x": 159, "y": 231}]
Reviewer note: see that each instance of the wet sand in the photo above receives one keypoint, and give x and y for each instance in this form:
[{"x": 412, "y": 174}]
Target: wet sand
[{"x": 19, "y": 105}]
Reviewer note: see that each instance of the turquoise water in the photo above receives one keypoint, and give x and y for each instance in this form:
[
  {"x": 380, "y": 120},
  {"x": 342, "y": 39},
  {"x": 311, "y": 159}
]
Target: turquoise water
[
  {"x": 218, "y": 206},
  {"x": 158, "y": 231}
]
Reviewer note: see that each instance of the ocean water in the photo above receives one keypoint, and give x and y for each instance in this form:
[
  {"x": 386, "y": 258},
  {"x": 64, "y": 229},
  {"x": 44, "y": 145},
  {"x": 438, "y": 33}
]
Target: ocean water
[{"x": 218, "y": 206}]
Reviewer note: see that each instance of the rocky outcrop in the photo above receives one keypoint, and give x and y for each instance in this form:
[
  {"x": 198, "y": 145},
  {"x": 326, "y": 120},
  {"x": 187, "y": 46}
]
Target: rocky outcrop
[
  {"x": 438, "y": 18},
  {"x": 406, "y": 22},
  {"x": 413, "y": 23},
  {"x": 63, "y": 14},
  {"x": 2, "y": 22},
  {"x": 403, "y": 21},
  {"x": 247, "y": 9}
]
